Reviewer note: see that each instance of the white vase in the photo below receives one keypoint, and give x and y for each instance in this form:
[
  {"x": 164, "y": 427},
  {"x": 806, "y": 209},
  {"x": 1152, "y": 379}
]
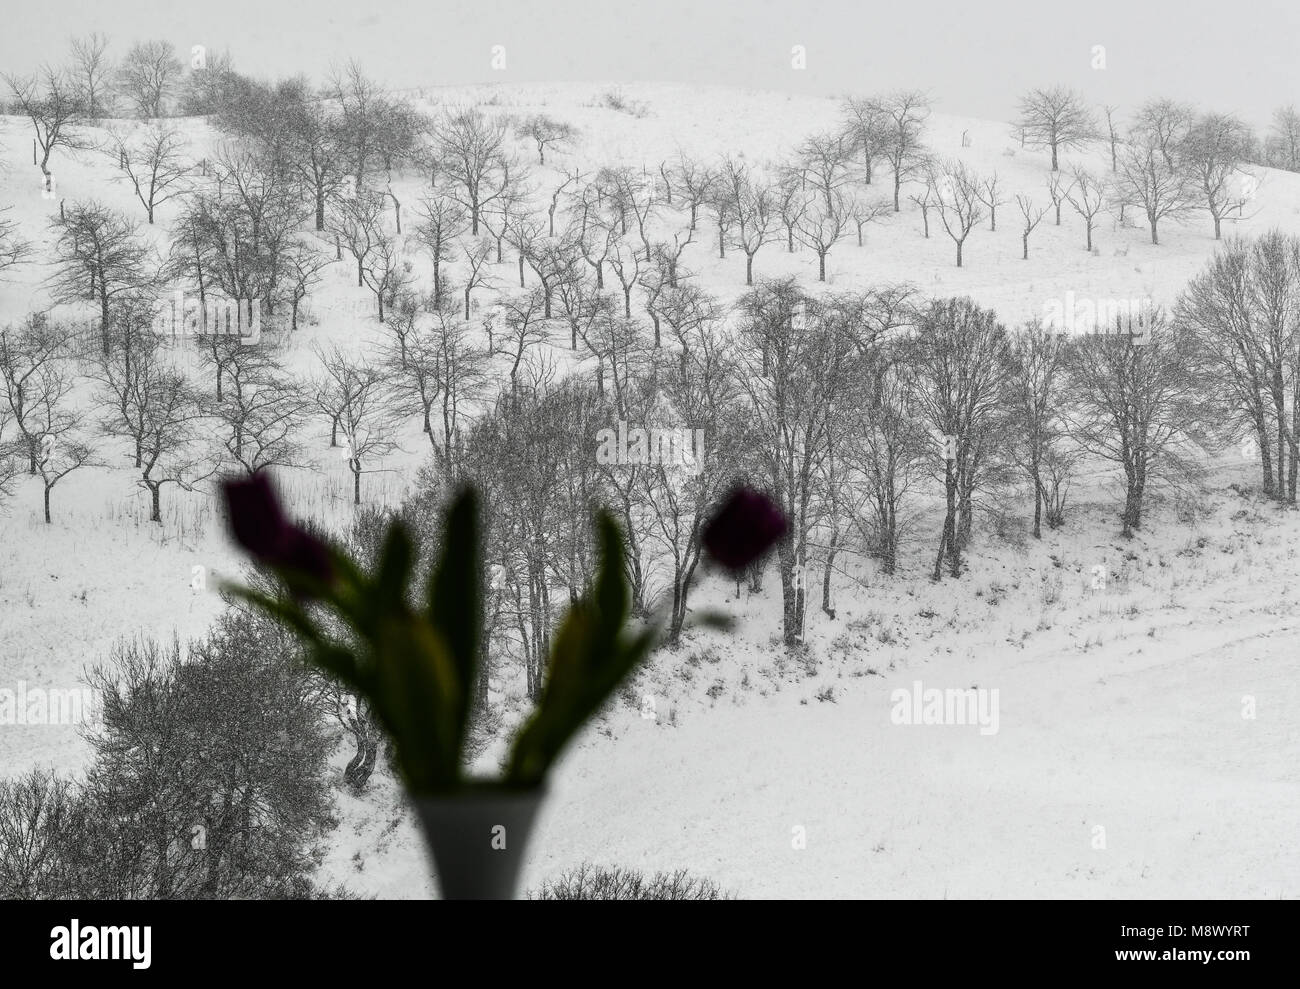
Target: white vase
[{"x": 477, "y": 836}]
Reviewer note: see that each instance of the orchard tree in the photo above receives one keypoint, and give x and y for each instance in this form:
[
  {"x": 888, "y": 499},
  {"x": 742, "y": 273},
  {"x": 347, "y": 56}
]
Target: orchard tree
[
  {"x": 1088, "y": 196},
  {"x": 1161, "y": 191},
  {"x": 1283, "y": 144},
  {"x": 444, "y": 222},
  {"x": 903, "y": 115},
  {"x": 958, "y": 191},
  {"x": 545, "y": 131},
  {"x": 797, "y": 367},
  {"x": 472, "y": 150},
  {"x": 1112, "y": 136},
  {"x": 147, "y": 77},
  {"x": 1036, "y": 391},
  {"x": 1031, "y": 215},
  {"x": 35, "y": 378},
  {"x": 753, "y": 209},
  {"x": 989, "y": 194},
  {"x": 55, "y": 110},
  {"x": 154, "y": 161},
  {"x": 956, "y": 367},
  {"x": 1213, "y": 152},
  {"x": 1163, "y": 124},
  {"x": 824, "y": 225},
  {"x": 1135, "y": 402},
  {"x": 866, "y": 121},
  {"x": 99, "y": 256},
  {"x": 92, "y": 74},
  {"x": 1242, "y": 315},
  {"x": 362, "y": 108},
  {"x": 260, "y": 415},
  {"x": 1056, "y": 118},
  {"x": 171, "y": 437}
]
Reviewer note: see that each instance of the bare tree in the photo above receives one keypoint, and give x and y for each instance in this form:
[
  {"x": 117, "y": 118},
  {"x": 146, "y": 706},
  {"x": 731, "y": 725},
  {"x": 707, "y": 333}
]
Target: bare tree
[
  {"x": 1036, "y": 390},
  {"x": 1056, "y": 118},
  {"x": 629, "y": 267},
  {"x": 553, "y": 261},
  {"x": 1242, "y": 315},
  {"x": 1212, "y": 152},
  {"x": 1163, "y": 192},
  {"x": 525, "y": 329},
  {"x": 869, "y": 126},
  {"x": 925, "y": 200},
  {"x": 903, "y": 115},
  {"x": 864, "y": 213},
  {"x": 1284, "y": 139},
  {"x": 154, "y": 161},
  {"x": 887, "y": 454},
  {"x": 32, "y": 358},
  {"x": 1134, "y": 403},
  {"x": 1112, "y": 135},
  {"x": 444, "y": 222},
  {"x": 702, "y": 393},
  {"x": 362, "y": 110},
  {"x": 359, "y": 224},
  {"x": 581, "y": 305},
  {"x": 1088, "y": 195},
  {"x": 260, "y": 414},
  {"x": 689, "y": 311},
  {"x": 753, "y": 209},
  {"x": 316, "y": 147},
  {"x": 352, "y": 392},
  {"x": 822, "y": 226},
  {"x": 54, "y": 110},
  {"x": 958, "y": 194},
  {"x": 570, "y": 178},
  {"x": 385, "y": 271},
  {"x": 92, "y": 73},
  {"x": 990, "y": 196},
  {"x": 1163, "y": 124},
  {"x": 694, "y": 181},
  {"x": 170, "y": 416},
  {"x": 472, "y": 149},
  {"x": 1032, "y": 215},
  {"x": 65, "y": 451},
  {"x": 797, "y": 367},
  {"x": 99, "y": 256},
  {"x": 545, "y": 131},
  {"x": 823, "y": 162},
  {"x": 148, "y": 75},
  {"x": 38, "y": 382},
  {"x": 956, "y": 367},
  {"x": 477, "y": 254},
  {"x": 1058, "y": 191},
  {"x": 305, "y": 263}
]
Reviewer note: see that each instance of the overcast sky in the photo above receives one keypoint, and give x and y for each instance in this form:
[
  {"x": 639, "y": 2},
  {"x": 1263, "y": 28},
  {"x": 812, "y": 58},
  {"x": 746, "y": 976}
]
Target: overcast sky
[{"x": 974, "y": 57}]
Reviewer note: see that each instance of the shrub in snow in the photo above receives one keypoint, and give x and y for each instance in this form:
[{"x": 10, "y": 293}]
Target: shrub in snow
[{"x": 593, "y": 882}]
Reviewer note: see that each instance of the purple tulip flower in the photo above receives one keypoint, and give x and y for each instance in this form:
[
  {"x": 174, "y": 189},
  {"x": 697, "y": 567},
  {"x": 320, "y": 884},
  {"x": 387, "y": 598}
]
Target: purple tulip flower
[
  {"x": 745, "y": 526},
  {"x": 259, "y": 524}
]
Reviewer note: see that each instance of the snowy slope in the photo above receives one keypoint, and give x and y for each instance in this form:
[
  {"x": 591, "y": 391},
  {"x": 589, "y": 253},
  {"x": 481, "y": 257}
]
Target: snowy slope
[{"x": 1120, "y": 709}]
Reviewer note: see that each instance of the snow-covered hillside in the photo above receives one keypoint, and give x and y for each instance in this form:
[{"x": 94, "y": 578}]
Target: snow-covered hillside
[{"x": 1162, "y": 707}]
